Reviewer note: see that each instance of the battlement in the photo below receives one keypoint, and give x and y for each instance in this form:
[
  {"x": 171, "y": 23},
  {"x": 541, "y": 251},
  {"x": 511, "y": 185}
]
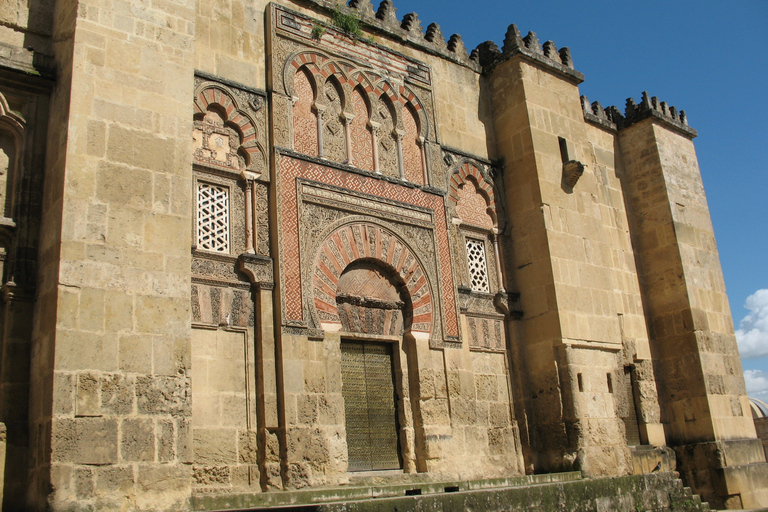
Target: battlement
[
  {"x": 489, "y": 55},
  {"x": 483, "y": 58},
  {"x": 612, "y": 118},
  {"x": 409, "y": 29}
]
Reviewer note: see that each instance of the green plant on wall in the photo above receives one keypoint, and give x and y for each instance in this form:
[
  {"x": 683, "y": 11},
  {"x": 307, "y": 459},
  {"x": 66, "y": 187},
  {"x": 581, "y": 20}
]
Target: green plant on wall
[
  {"x": 317, "y": 32},
  {"x": 348, "y": 23}
]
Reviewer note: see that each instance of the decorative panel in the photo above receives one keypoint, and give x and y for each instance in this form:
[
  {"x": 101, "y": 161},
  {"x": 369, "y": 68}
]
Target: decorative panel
[
  {"x": 412, "y": 160},
  {"x": 360, "y": 134},
  {"x": 334, "y": 138},
  {"x": 387, "y": 141},
  {"x": 304, "y": 119}
]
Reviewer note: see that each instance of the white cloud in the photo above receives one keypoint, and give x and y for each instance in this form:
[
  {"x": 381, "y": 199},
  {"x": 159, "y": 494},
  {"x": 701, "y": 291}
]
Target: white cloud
[
  {"x": 752, "y": 334},
  {"x": 757, "y": 384}
]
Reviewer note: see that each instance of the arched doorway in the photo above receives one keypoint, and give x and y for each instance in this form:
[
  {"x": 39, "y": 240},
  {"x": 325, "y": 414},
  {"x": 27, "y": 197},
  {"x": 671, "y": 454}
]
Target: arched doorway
[{"x": 371, "y": 304}]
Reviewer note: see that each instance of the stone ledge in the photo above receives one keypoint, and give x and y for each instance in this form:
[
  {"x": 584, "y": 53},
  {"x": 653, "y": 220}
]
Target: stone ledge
[
  {"x": 655, "y": 492},
  {"x": 376, "y": 488}
]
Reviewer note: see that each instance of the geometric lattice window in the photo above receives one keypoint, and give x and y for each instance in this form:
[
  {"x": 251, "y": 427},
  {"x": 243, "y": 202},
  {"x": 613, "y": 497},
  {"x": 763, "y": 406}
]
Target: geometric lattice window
[
  {"x": 212, "y": 217},
  {"x": 478, "y": 270}
]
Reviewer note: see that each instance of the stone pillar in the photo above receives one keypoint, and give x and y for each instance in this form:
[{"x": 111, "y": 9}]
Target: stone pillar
[
  {"x": 570, "y": 263},
  {"x": 703, "y": 398},
  {"x": 110, "y": 388}
]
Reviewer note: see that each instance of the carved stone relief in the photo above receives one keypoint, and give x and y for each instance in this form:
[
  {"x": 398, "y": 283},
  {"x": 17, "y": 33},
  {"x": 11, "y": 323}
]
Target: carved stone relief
[
  {"x": 412, "y": 156},
  {"x": 387, "y": 143},
  {"x": 214, "y": 305},
  {"x": 334, "y": 137},
  {"x": 304, "y": 117},
  {"x": 262, "y": 214},
  {"x": 360, "y": 133}
]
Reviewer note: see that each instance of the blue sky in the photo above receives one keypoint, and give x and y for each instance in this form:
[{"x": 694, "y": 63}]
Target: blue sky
[{"x": 707, "y": 58}]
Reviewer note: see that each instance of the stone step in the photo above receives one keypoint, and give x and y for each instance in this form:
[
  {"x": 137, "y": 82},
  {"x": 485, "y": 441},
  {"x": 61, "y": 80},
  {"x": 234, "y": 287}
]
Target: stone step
[
  {"x": 561, "y": 491},
  {"x": 376, "y": 486}
]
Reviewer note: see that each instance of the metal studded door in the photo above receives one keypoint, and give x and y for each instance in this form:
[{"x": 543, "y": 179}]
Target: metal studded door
[{"x": 369, "y": 401}]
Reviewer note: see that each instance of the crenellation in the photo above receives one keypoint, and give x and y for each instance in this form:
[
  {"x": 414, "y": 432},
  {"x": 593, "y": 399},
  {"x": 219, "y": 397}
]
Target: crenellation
[
  {"x": 652, "y": 107},
  {"x": 513, "y": 40},
  {"x": 487, "y": 53},
  {"x": 364, "y": 7},
  {"x": 456, "y": 45},
  {"x": 550, "y": 51},
  {"x": 411, "y": 24},
  {"x": 435, "y": 36},
  {"x": 531, "y": 42},
  {"x": 386, "y": 13}
]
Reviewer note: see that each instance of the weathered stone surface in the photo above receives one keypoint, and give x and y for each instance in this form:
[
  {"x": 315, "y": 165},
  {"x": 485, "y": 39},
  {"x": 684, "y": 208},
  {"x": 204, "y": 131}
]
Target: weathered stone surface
[
  {"x": 85, "y": 440},
  {"x": 532, "y": 278}
]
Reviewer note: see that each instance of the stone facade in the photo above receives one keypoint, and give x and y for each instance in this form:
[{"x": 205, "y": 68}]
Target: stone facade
[{"x": 259, "y": 247}]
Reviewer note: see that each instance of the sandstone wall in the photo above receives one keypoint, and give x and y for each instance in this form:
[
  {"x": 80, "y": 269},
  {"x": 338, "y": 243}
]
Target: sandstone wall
[
  {"x": 113, "y": 395},
  {"x": 216, "y": 176}
]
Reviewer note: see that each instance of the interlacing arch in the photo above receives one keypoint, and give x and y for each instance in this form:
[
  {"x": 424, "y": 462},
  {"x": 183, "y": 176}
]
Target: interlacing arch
[
  {"x": 211, "y": 97},
  {"x": 408, "y": 117},
  {"x": 464, "y": 201},
  {"x": 364, "y": 241}
]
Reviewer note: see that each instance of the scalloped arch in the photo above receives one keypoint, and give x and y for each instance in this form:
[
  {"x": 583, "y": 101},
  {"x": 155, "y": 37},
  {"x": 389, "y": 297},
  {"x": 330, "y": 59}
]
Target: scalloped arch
[
  {"x": 211, "y": 94},
  {"x": 469, "y": 171}
]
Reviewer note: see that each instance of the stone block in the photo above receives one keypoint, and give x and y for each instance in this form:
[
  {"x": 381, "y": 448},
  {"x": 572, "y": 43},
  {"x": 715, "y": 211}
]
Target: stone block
[
  {"x": 84, "y": 484},
  {"x": 113, "y": 478},
  {"x": 137, "y": 440},
  {"x": 91, "y": 313},
  {"x": 211, "y": 475},
  {"x": 163, "y": 395},
  {"x": 117, "y": 394},
  {"x": 88, "y": 395},
  {"x": 77, "y": 350},
  {"x": 64, "y": 395},
  {"x": 215, "y": 446},
  {"x": 165, "y": 478},
  {"x": 118, "y": 310},
  {"x": 136, "y": 353},
  {"x": 85, "y": 441},
  {"x": 247, "y": 447},
  {"x": 162, "y": 315},
  {"x": 184, "y": 443}
]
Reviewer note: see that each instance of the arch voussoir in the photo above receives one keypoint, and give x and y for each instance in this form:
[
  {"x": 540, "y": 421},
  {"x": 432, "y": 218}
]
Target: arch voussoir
[{"x": 359, "y": 242}]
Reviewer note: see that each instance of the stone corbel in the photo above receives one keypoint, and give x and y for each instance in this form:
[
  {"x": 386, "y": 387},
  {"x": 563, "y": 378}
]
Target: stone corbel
[
  {"x": 572, "y": 171},
  {"x": 508, "y": 304},
  {"x": 257, "y": 268},
  {"x": 251, "y": 220}
]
